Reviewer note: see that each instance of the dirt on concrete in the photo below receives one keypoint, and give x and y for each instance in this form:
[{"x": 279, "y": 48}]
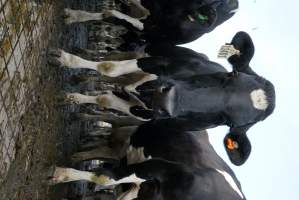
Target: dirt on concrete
[
  {"x": 40, "y": 140},
  {"x": 49, "y": 134}
]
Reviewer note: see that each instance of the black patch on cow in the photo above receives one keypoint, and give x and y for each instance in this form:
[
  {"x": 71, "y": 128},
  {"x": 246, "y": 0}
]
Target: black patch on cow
[
  {"x": 141, "y": 112},
  {"x": 122, "y": 95}
]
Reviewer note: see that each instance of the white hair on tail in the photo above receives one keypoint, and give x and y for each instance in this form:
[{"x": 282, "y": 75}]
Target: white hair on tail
[{"x": 259, "y": 99}]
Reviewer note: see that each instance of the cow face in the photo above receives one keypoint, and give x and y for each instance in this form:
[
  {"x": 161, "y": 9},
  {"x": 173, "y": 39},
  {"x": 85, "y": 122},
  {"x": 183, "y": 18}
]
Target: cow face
[{"x": 250, "y": 99}]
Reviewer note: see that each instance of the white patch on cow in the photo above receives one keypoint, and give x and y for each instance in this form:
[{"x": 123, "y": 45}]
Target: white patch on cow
[
  {"x": 227, "y": 51},
  {"x": 135, "y": 22},
  {"x": 259, "y": 99},
  {"x": 148, "y": 77},
  {"x": 73, "y": 16},
  {"x": 109, "y": 100},
  {"x": 117, "y": 68},
  {"x": 136, "y": 155},
  {"x": 231, "y": 182},
  {"x": 103, "y": 124}
]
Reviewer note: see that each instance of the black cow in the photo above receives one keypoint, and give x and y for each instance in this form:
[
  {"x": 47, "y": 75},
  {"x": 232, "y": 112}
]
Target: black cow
[
  {"x": 184, "y": 87},
  {"x": 166, "y": 164},
  {"x": 170, "y": 21}
]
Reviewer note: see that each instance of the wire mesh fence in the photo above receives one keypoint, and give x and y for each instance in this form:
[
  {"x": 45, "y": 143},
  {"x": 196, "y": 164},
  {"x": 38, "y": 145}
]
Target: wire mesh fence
[
  {"x": 24, "y": 29},
  {"x": 35, "y": 133}
]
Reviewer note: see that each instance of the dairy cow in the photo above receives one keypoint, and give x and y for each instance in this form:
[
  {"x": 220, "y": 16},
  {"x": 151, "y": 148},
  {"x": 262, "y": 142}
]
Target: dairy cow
[
  {"x": 163, "y": 163},
  {"x": 173, "y": 22},
  {"x": 182, "y": 86}
]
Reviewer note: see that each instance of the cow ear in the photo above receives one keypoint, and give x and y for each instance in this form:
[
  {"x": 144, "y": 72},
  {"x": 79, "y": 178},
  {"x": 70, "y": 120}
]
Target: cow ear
[
  {"x": 238, "y": 147},
  {"x": 242, "y": 42}
]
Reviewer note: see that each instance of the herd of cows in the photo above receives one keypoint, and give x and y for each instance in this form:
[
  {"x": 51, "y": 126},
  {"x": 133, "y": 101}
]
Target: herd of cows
[{"x": 160, "y": 116}]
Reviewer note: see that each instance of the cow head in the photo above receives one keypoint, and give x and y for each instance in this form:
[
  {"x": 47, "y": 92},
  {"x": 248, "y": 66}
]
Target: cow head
[
  {"x": 208, "y": 14},
  {"x": 203, "y": 16},
  {"x": 251, "y": 99}
]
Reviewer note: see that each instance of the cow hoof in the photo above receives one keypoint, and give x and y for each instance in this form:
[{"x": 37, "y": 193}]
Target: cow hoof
[
  {"x": 54, "y": 56},
  {"x": 70, "y": 16},
  {"x": 227, "y": 51},
  {"x": 55, "y": 175},
  {"x": 71, "y": 98}
]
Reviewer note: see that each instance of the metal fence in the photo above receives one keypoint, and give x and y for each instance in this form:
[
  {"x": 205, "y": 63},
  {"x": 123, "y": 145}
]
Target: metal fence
[{"x": 24, "y": 29}]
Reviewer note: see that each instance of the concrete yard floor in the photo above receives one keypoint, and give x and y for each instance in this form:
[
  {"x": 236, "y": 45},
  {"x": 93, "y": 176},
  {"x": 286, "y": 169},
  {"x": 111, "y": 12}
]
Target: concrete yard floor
[
  {"x": 39, "y": 142},
  {"x": 42, "y": 125},
  {"x": 48, "y": 134}
]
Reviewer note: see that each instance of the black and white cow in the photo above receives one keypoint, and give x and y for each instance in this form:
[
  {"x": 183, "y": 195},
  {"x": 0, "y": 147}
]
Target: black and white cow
[
  {"x": 164, "y": 163},
  {"x": 171, "y": 21},
  {"x": 184, "y": 87}
]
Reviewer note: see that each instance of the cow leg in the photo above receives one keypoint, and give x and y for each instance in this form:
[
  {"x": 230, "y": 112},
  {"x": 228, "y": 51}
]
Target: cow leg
[
  {"x": 130, "y": 194},
  {"x": 63, "y": 175},
  {"x": 147, "y": 77},
  {"x": 108, "y": 101},
  {"x": 136, "y": 173},
  {"x": 104, "y": 152},
  {"x": 101, "y": 132},
  {"x": 110, "y": 118},
  {"x": 117, "y": 56},
  {"x": 107, "y": 68},
  {"x": 72, "y": 16},
  {"x": 93, "y": 144},
  {"x": 142, "y": 10},
  {"x": 83, "y": 16},
  {"x": 116, "y": 149},
  {"x": 158, "y": 170}
]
